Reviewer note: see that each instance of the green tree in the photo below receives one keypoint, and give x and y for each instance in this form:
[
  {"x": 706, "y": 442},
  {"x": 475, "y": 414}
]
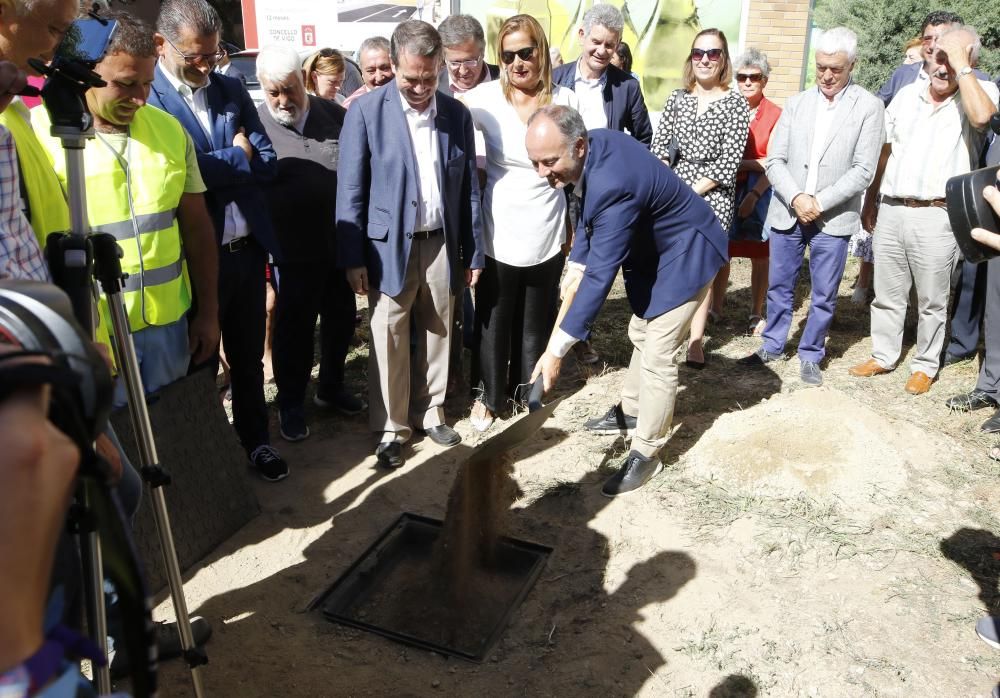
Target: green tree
[{"x": 884, "y": 26}]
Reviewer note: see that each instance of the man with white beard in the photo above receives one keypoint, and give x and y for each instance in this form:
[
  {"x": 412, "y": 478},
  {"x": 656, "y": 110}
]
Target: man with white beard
[{"x": 305, "y": 132}]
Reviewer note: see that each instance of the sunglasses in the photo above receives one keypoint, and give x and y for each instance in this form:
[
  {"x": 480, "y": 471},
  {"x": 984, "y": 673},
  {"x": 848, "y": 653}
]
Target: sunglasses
[
  {"x": 752, "y": 77},
  {"x": 525, "y": 54},
  {"x": 713, "y": 54}
]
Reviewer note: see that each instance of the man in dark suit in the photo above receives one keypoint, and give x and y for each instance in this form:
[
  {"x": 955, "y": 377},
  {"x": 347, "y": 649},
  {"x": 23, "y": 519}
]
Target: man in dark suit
[
  {"x": 669, "y": 243},
  {"x": 408, "y": 234},
  {"x": 464, "y": 51},
  {"x": 609, "y": 97},
  {"x": 235, "y": 157}
]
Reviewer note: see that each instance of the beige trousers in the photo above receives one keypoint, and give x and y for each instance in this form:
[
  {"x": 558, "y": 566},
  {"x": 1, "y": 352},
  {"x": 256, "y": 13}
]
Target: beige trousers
[
  {"x": 650, "y": 387},
  {"x": 407, "y": 390}
]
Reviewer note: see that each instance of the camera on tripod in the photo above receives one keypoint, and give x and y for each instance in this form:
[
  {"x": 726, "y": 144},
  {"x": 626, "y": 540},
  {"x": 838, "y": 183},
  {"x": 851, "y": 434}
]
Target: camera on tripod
[{"x": 967, "y": 209}]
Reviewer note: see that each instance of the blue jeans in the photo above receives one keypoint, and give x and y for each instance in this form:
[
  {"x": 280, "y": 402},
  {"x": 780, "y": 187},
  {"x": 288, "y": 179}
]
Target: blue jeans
[
  {"x": 163, "y": 358},
  {"x": 827, "y": 257}
]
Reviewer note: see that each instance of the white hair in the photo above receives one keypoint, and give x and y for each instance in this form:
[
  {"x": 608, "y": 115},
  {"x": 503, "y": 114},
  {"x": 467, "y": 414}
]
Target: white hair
[
  {"x": 607, "y": 16},
  {"x": 276, "y": 63},
  {"x": 838, "y": 40}
]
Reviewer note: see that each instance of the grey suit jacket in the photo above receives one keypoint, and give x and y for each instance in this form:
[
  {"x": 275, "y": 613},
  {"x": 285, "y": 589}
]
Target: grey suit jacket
[{"x": 846, "y": 165}]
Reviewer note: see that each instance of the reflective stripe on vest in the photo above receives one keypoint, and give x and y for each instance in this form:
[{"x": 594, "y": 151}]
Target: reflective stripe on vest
[{"x": 139, "y": 208}]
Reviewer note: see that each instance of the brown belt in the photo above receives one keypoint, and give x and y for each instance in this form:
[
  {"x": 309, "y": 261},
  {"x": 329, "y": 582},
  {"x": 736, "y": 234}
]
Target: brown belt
[{"x": 915, "y": 203}]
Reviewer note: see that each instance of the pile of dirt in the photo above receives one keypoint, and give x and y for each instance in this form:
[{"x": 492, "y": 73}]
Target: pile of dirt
[{"x": 818, "y": 442}]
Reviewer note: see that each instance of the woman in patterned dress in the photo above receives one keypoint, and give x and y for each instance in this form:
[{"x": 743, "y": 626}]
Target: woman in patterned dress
[{"x": 710, "y": 122}]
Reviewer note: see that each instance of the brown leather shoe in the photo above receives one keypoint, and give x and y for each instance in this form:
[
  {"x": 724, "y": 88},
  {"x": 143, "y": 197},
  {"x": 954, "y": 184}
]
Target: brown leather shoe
[
  {"x": 869, "y": 368},
  {"x": 919, "y": 383}
]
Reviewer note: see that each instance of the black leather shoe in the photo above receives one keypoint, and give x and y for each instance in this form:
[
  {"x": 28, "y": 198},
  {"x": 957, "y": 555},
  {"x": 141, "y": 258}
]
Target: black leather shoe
[
  {"x": 443, "y": 435},
  {"x": 952, "y": 359},
  {"x": 971, "y": 401},
  {"x": 390, "y": 455},
  {"x": 759, "y": 358},
  {"x": 614, "y": 422},
  {"x": 992, "y": 425},
  {"x": 635, "y": 472}
]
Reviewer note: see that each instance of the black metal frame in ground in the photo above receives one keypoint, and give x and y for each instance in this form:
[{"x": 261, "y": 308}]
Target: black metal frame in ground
[{"x": 350, "y": 591}]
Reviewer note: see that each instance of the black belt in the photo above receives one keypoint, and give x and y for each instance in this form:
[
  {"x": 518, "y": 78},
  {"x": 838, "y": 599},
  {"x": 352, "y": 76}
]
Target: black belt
[
  {"x": 425, "y": 234},
  {"x": 237, "y": 244},
  {"x": 915, "y": 203}
]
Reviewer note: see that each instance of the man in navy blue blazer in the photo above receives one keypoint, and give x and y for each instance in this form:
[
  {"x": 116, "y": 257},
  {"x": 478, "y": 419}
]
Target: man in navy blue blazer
[
  {"x": 609, "y": 97},
  {"x": 235, "y": 157},
  {"x": 643, "y": 219},
  {"x": 408, "y": 235}
]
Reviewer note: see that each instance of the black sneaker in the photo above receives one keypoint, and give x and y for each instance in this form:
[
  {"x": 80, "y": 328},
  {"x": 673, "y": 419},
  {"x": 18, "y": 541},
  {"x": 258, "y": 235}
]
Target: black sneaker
[
  {"x": 269, "y": 463},
  {"x": 635, "y": 471},
  {"x": 293, "y": 424},
  {"x": 340, "y": 400},
  {"x": 614, "y": 422},
  {"x": 759, "y": 358}
]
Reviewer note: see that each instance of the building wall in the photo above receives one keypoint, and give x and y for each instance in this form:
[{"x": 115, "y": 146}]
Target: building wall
[{"x": 780, "y": 29}]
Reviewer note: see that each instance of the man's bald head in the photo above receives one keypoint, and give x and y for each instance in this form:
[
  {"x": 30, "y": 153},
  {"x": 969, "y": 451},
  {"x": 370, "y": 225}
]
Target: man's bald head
[{"x": 557, "y": 144}]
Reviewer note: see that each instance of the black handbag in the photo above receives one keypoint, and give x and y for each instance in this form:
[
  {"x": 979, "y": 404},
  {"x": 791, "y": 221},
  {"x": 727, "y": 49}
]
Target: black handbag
[
  {"x": 673, "y": 150},
  {"x": 967, "y": 209}
]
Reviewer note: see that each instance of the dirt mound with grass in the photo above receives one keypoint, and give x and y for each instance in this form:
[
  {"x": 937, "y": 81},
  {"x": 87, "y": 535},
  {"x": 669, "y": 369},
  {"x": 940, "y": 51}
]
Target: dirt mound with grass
[{"x": 821, "y": 443}]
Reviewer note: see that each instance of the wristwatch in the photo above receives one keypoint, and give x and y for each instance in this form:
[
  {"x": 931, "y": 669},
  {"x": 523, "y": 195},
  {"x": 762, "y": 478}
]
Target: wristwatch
[{"x": 965, "y": 71}]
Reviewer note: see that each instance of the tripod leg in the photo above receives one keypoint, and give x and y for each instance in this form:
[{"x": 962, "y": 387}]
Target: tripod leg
[
  {"x": 151, "y": 471},
  {"x": 93, "y": 581}
]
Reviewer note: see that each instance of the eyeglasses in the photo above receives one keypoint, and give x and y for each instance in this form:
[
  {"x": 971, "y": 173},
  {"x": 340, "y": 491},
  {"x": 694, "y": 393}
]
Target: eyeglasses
[
  {"x": 469, "y": 64},
  {"x": 713, "y": 54},
  {"x": 752, "y": 77},
  {"x": 194, "y": 58},
  {"x": 525, "y": 54}
]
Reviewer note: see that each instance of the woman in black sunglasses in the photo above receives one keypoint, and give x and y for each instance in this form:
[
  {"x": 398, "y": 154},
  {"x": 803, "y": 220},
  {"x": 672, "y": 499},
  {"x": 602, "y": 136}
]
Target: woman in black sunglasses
[
  {"x": 701, "y": 135},
  {"x": 524, "y": 221}
]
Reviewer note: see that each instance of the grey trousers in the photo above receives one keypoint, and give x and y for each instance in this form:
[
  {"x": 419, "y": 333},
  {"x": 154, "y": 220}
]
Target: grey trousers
[
  {"x": 650, "y": 387},
  {"x": 989, "y": 372},
  {"x": 913, "y": 247},
  {"x": 405, "y": 391}
]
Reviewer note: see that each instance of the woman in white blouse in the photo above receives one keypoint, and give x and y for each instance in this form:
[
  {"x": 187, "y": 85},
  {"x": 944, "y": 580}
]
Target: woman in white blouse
[{"x": 524, "y": 221}]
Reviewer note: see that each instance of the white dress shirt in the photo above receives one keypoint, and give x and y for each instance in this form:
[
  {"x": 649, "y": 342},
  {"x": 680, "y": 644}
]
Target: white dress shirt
[
  {"x": 197, "y": 100},
  {"x": 590, "y": 93},
  {"x": 825, "y": 111},
  {"x": 426, "y": 147}
]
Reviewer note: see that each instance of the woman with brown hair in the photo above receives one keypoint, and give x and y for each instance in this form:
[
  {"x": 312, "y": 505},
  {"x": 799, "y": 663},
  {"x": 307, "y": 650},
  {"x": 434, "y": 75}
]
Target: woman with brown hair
[
  {"x": 702, "y": 133},
  {"x": 524, "y": 220},
  {"x": 325, "y": 74}
]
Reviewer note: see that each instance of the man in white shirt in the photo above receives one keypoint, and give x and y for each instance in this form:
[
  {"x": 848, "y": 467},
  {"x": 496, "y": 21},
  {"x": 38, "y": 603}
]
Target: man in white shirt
[
  {"x": 935, "y": 130},
  {"x": 235, "y": 157},
  {"x": 609, "y": 97},
  {"x": 408, "y": 235}
]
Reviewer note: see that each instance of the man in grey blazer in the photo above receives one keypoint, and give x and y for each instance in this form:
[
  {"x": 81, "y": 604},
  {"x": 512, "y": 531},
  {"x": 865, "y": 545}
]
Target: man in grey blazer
[
  {"x": 408, "y": 234},
  {"x": 822, "y": 156}
]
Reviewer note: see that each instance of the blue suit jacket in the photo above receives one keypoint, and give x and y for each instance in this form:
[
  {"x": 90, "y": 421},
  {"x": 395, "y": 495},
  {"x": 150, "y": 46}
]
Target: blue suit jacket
[
  {"x": 623, "y": 102},
  {"x": 377, "y": 189},
  {"x": 230, "y": 178},
  {"x": 644, "y": 219}
]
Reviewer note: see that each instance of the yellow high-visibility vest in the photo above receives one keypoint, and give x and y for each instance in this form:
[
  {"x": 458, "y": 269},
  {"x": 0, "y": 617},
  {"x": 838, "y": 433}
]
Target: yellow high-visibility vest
[
  {"x": 135, "y": 198},
  {"x": 47, "y": 204}
]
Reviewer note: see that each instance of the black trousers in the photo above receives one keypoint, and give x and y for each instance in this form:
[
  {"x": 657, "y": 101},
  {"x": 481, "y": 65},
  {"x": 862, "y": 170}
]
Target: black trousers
[
  {"x": 307, "y": 291},
  {"x": 515, "y": 310},
  {"x": 968, "y": 307},
  {"x": 242, "y": 314}
]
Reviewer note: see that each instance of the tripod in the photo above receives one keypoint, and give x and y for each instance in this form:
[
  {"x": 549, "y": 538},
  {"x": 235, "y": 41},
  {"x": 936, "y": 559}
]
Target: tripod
[{"x": 73, "y": 257}]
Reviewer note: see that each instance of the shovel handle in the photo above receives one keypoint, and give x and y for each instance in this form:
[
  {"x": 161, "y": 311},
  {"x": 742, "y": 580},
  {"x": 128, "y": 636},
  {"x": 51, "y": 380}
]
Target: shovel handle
[{"x": 535, "y": 396}]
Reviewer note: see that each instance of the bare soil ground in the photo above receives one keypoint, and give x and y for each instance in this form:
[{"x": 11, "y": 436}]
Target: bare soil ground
[{"x": 839, "y": 541}]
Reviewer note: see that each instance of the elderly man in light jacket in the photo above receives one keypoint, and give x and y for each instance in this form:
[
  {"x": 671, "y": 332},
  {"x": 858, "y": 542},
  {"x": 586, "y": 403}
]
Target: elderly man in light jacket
[{"x": 822, "y": 156}]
